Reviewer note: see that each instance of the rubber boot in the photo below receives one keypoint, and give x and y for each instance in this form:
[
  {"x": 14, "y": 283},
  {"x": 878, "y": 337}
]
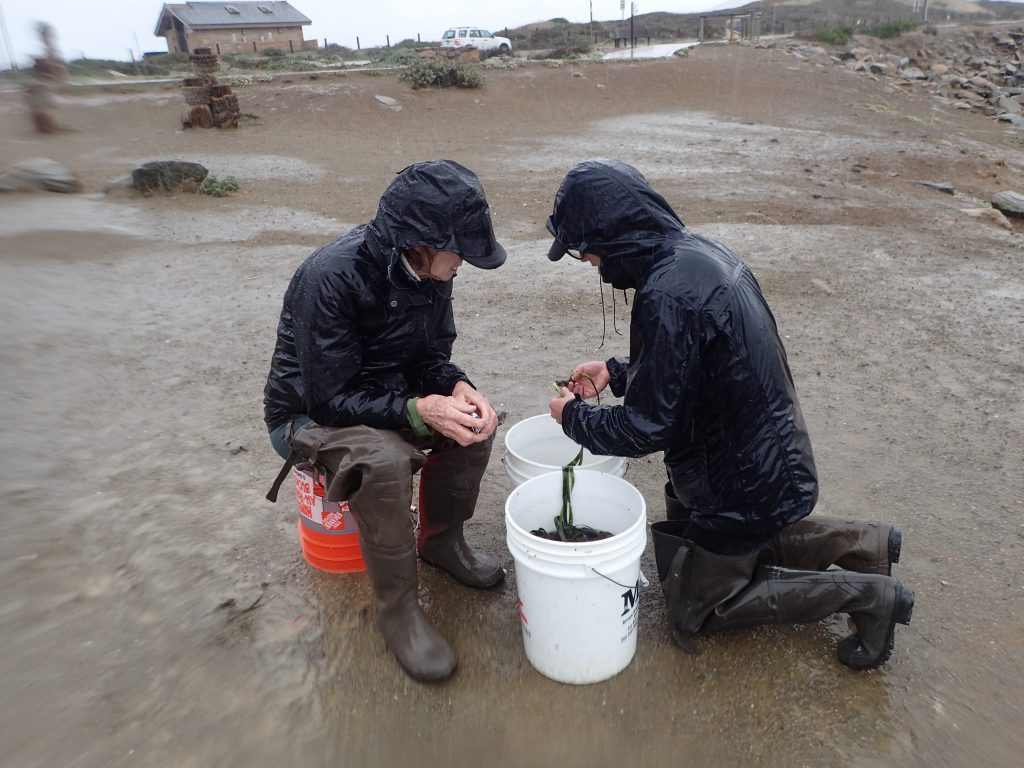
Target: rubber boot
[
  {"x": 421, "y": 650},
  {"x": 449, "y": 488},
  {"x": 674, "y": 509},
  {"x": 817, "y": 542},
  {"x": 707, "y": 592}
]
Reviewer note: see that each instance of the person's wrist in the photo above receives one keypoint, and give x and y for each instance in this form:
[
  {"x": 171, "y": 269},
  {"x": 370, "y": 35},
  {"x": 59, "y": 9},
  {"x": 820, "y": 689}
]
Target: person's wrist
[{"x": 412, "y": 415}]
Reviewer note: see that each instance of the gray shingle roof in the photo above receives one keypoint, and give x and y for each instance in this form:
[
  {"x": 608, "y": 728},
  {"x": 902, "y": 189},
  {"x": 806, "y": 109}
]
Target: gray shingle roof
[{"x": 249, "y": 14}]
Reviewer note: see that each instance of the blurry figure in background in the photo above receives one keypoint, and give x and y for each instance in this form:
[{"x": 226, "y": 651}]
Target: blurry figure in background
[
  {"x": 361, "y": 383},
  {"x": 49, "y": 73},
  {"x": 708, "y": 383}
]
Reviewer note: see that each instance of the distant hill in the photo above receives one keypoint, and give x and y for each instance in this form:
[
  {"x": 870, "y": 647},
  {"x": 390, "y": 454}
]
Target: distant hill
[{"x": 804, "y": 17}]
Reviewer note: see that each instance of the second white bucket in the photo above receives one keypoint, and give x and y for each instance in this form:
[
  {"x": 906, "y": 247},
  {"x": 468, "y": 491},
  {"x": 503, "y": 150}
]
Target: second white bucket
[
  {"x": 537, "y": 445},
  {"x": 578, "y": 602}
]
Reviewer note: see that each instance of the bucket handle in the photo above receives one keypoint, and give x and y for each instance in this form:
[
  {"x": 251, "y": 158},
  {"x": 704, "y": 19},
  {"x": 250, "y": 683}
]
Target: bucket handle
[{"x": 643, "y": 579}]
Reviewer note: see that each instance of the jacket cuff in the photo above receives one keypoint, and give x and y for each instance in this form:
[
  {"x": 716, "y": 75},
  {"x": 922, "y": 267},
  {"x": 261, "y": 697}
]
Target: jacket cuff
[
  {"x": 415, "y": 420},
  {"x": 618, "y": 367}
]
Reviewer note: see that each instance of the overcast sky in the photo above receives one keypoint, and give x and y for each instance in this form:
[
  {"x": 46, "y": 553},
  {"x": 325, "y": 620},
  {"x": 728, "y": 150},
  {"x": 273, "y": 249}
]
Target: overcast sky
[{"x": 110, "y": 29}]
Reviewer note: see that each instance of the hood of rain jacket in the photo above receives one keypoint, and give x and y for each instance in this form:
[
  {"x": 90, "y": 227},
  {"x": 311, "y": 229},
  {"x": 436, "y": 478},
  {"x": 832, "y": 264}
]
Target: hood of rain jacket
[
  {"x": 706, "y": 380},
  {"x": 358, "y": 335}
]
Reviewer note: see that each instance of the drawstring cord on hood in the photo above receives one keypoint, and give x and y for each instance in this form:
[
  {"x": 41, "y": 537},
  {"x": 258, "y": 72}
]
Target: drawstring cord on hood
[{"x": 604, "y": 314}]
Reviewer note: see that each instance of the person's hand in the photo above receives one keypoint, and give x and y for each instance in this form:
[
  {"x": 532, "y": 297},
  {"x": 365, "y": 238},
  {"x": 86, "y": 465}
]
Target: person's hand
[
  {"x": 589, "y": 378},
  {"x": 488, "y": 421},
  {"x": 558, "y": 403},
  {"x": 454, "y": 417}
]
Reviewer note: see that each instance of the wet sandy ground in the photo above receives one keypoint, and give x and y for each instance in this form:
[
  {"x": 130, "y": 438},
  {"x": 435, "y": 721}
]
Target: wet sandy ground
[{"x": 137, "y": 333}]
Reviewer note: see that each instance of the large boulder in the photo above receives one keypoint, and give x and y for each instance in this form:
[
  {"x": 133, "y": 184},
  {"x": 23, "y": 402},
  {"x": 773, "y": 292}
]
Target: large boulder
[
  {"x": 39, "y": 173},
  {"x": 1010, "y": 203},
  {"x": 168, "y": 176}
]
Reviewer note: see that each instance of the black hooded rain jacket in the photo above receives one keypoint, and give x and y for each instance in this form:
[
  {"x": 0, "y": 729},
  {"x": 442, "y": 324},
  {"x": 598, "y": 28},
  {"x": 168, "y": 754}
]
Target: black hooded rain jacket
[
  {"x": 358, "y": 334},
  {"x": 706, "y": 380}
]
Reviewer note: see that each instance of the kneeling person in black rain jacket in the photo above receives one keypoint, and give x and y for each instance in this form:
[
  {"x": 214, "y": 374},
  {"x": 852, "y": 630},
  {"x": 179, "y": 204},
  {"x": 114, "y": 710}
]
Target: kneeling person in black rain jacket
[
  {"x": 361, "y": 383},
  {"x": 707, "y": 382}
]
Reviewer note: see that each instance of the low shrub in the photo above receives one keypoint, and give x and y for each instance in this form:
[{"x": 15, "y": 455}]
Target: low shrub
[
  {"x": 836, "y": 35},
  {"x": 892, "y": 29},
  {"x": 441, "y": 73},
  {"x": 215, "y": 187},
  {"x": 504, "y": 62}
]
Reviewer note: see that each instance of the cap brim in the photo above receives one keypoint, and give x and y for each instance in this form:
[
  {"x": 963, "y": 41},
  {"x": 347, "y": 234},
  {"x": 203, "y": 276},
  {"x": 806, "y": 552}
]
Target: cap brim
[
  {"x": 492, "y": 260},
  {"x": 557, "y": 250}
]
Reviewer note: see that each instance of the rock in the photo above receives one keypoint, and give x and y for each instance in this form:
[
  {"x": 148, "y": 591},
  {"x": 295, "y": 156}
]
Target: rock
[
  {"x": 1009, "y": 203},
  {"x": 939, "y": 69},
  {"x": 941, "y": 186},
  {"x": 1011, "y": 119},
  {"x": 168, "y": 176},
  {"x": 914, "y": 74},
  {"x": 989, "y": 213},
  {"x": 39, "y": 173},
  {"x": 388, "y": 102}
]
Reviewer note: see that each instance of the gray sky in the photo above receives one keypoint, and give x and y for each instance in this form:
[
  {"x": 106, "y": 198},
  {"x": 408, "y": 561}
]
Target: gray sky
[{"x": 110, "y": 29}]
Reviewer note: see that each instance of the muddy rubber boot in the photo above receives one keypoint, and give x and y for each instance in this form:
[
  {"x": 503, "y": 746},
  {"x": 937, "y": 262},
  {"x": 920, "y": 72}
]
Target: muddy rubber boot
[
  {"x": 695, "y": 580},
  {"x": 421, "y": 650},
  {"x": 449, "y": 488},
  {"x": 817, "y": 542},
  {"x": 706, "y": 592},
  {"x": 674, "y": 509},
  {"x": 775, "y": 595}
]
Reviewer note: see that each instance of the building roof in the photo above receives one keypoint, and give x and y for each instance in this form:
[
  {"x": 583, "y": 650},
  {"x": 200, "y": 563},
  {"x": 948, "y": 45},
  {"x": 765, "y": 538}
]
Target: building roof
[{"x": 235, "y": 14}]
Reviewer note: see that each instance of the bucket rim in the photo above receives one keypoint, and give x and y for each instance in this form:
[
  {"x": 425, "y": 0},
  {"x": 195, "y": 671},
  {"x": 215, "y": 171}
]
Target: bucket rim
[
  {"x": 597, "y": 459},
  {"x": 574, "y": 551}
]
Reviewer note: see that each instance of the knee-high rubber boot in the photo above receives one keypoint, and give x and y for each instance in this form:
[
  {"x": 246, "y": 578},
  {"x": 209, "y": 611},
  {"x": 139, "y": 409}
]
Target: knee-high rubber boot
[
  {"x": 816, "y": 542},
  {"x": 674, "y": 509},
  {"x": 707, "y": 592},
  {"x": 419, "y": 647},
  {"x": 449, "y": 488},
  {"x": 777, "y": 595}
]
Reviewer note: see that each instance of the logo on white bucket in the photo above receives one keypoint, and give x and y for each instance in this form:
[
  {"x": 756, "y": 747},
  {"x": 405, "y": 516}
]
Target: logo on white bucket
[{"x": 630, "y": 611}]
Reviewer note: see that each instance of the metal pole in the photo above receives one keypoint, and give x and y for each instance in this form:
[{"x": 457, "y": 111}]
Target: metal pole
[
  {"x": 7, "y": 41},
  {"x": 632, "y": 40}
]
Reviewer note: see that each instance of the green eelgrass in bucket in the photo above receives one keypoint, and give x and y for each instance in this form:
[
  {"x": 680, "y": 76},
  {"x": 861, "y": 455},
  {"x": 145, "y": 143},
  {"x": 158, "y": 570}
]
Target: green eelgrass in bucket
[{"x": 565, "y": 529}]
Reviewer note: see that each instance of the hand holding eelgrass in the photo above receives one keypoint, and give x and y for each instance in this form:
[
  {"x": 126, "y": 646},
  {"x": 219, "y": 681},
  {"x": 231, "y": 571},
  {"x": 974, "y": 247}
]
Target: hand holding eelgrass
[{"x": 587, "y": 380}]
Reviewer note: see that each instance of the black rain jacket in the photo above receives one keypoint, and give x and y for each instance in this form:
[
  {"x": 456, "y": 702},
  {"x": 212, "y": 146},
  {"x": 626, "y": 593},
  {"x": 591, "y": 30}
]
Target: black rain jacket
[
  {"x": 358, "y": 335},
  {"x": 706, "y": 380}
]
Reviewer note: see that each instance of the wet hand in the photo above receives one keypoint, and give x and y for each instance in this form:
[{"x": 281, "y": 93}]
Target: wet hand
[
  {"x": 589, "y": 379},
  {"x": 557, "y": 404},
  {"x": 455, "y": 418}
]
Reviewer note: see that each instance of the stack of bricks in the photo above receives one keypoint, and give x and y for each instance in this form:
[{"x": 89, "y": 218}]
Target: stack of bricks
[{"x": 210, "y": 104}]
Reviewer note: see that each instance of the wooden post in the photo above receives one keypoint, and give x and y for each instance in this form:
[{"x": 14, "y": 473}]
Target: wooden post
[{"x": 357, "y": 43}]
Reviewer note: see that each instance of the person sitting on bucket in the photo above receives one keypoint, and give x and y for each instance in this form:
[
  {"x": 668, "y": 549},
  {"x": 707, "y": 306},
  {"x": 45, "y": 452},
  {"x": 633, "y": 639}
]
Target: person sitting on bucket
[
  {"x": 708, "y": 383},
  {"x": 361, "y": 383}
]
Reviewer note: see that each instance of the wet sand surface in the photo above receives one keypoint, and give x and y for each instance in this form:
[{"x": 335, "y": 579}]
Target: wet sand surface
[{"x": 156, "y": 610}]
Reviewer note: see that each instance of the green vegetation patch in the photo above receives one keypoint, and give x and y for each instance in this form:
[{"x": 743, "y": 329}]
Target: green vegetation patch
[
  {"x": 441, "y": 73},
  {"x": 215, "y": 187}
]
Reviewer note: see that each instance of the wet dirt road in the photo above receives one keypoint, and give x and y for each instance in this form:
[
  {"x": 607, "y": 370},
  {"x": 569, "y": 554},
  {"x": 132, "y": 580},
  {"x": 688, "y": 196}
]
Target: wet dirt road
[{"x": 155, "y": 608}]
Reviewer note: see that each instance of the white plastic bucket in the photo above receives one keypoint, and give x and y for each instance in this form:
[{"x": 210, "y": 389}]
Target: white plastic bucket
[
  {"x": 578, "y": 603},
  {"x": 537, "y": 445}
]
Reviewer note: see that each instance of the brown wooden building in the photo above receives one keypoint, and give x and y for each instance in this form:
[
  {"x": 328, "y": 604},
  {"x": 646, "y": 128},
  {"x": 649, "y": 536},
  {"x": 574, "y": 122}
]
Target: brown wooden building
[{"x": 233, "y": 27}]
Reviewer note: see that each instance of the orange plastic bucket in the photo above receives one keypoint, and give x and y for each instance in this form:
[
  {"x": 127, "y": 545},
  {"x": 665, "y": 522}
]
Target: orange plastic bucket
[{"x": 327, "y": 529}]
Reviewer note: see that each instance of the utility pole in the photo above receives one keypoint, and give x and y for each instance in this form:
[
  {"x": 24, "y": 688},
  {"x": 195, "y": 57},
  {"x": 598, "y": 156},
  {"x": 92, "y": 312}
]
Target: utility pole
[
  {"x": 632, "y": 39},
  {"x": 925, "y": 12},
  {"x": 7, "y": 41},
  {"x": 592, "y": 38}
]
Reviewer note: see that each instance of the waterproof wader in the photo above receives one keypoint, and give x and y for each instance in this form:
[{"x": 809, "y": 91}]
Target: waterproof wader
[
  {"x": 373, "y": 470},
  {"x": 817, "y": 542},
  {"x": 707, "y": 592}
]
